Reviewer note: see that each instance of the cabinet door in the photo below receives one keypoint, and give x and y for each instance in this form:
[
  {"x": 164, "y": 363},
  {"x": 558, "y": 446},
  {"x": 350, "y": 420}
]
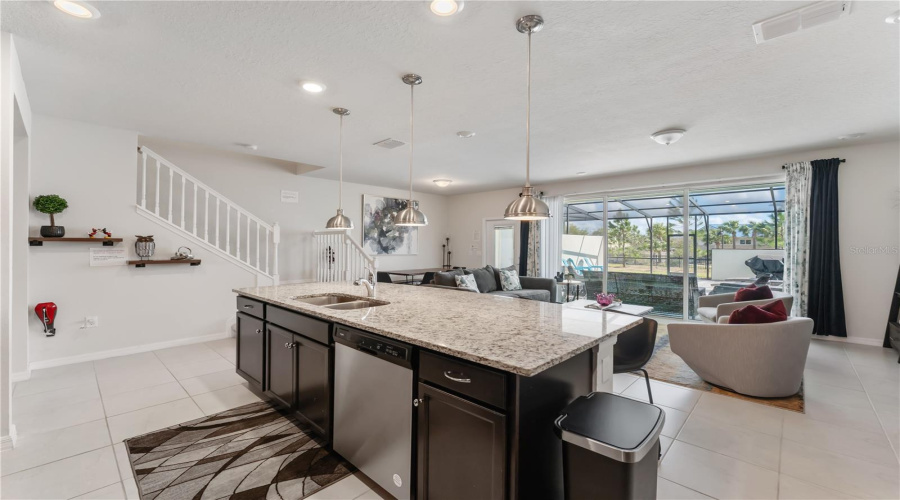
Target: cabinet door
[
  {"x": 280, "y": 381},
  {"x": 314, "y": 383},
  {"x": 462, "y": 448},
  {"x": 251, "y": 343}
]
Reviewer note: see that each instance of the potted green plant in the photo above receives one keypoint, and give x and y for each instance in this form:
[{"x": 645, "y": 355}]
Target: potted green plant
[{"x": 51, "y": 204}]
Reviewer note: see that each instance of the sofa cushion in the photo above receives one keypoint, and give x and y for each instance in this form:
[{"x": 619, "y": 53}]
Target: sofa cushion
[
  {"x": 447, "y": 278},
  {"x": 530, "y": 294},
  {"x": 707, "y": 312},
  {"x": 497, "y": 274},
  {"x": 509, "y": 280},
  {"x": 753, "y": 292},
  {"x": 485, "y": 278},
  {"x": 772, "y": 312},
  {"x": 467, "y": 281}
]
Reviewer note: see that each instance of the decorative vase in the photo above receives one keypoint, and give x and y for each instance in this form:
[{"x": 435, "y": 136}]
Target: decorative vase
[
  {"x": 144, "y": 246},
  {"x": 53, "y": 231},
  {"x": 605, "y": 299}
]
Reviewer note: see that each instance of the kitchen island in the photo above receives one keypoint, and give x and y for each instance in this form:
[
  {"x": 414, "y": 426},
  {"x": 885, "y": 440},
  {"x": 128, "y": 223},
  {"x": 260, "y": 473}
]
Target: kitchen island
[{"x": 486, "y": 378}]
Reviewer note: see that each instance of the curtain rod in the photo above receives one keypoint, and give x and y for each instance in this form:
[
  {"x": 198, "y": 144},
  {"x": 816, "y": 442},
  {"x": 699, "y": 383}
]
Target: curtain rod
[{"x": 842, "y": 161}]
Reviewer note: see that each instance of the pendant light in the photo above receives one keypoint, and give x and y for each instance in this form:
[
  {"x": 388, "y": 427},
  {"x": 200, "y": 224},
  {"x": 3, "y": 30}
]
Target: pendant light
[
  {"x": 527, "y": 206},
  {"x": 340, "y": 221},
  {"x": 410, "y": 216}
]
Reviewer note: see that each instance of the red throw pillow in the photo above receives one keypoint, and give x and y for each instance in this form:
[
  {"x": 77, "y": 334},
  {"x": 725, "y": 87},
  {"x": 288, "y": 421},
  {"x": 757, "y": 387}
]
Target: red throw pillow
[
  {"x": 753, "y": 292},
  {"x": 772, "y": 312}
]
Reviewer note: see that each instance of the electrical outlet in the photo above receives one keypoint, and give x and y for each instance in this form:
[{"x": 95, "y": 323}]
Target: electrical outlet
[{"x": 91, "y": 322}]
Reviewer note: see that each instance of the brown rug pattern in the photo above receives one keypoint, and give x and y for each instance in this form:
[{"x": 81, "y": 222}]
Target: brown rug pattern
[
  {"x": 667, "y": 366},
  {"x": 251, "y": 452}
]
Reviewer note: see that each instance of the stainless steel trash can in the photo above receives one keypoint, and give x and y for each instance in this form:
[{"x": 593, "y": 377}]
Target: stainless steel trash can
[{"x": 610, "y": 447}]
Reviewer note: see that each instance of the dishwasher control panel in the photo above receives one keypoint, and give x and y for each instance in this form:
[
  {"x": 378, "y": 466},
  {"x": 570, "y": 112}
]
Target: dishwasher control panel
[{"x": 373, "y": 344}]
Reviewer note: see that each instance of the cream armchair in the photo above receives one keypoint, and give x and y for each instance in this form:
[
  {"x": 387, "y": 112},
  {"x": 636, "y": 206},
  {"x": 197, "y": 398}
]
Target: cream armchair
[
  {"x": 712, "y": 307},
  {"x": 764, "y": 360}
]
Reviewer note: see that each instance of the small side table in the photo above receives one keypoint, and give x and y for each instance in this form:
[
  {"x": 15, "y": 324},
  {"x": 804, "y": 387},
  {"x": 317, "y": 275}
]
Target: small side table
[{"x": 577, "y": 284}]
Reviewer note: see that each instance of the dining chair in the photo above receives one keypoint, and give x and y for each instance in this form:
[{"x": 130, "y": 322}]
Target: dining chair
[{"x": 634, "y": 348}]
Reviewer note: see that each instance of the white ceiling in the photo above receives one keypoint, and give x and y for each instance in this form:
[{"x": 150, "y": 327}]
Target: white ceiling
[{"x": 606, "y": 76}]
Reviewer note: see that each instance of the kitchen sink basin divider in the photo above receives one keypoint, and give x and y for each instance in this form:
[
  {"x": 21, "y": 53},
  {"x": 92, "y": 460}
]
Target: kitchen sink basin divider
[
  {"x": 340, "y": 258},
  {"x": 183, "y": 204}
]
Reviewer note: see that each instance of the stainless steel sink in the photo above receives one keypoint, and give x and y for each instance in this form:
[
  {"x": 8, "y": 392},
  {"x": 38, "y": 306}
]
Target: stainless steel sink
[
  {"x": 340, "y": 302},
  {"x": 356, "y": 304}
]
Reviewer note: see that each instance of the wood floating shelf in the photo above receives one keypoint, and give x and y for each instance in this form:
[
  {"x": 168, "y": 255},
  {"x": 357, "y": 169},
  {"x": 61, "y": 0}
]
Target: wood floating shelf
[
  {"x": 144, "y": 263},
  {"x": 107, "y": 242}
]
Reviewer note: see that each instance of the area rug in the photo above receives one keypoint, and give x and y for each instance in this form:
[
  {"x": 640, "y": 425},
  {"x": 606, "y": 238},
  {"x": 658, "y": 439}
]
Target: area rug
[
  {"x": 251, "y": 452},
  {"x": 667, "y": 366}
]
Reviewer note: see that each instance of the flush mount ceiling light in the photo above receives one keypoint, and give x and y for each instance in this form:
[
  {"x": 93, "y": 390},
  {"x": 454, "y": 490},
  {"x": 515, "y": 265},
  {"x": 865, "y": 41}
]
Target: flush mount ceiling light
[
  {"x": 893, "y": 18},
  {"x": 465, "y": 134},
  {"x": 446, "y": 8},
  {"x": 340, "y": 221},
  {"x": 442, "y": 182},
  {"x": 666, "y": 137},
  {"x": 527, "y": 206},
  {"x": 312, "y": 87},
  {"x": 850, "y": 137},
  {"x": 81, "y": 10},
  {"x": 411, "y": 216}
]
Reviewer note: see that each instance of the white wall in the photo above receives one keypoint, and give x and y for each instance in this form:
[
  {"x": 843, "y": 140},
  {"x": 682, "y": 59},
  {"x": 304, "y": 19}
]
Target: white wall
[
  {"x": 869, "y": 217},
  {"x": 255, "y": 183}
]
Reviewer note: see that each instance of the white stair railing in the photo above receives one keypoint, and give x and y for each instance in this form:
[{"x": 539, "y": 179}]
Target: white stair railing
[
  {"x": 340, "y": 258},
  {"x": 182, "y": 203}
]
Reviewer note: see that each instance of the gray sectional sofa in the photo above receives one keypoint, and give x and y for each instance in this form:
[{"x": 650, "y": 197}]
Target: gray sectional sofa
[{"x": 488, "y": 280}]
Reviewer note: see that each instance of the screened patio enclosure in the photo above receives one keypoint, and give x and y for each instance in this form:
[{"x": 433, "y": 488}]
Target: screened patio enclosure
[{"x": 648, "y": 253}]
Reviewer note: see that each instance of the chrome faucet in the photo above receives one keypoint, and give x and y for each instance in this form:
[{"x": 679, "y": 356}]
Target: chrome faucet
[{"x": 370, "y": 283}]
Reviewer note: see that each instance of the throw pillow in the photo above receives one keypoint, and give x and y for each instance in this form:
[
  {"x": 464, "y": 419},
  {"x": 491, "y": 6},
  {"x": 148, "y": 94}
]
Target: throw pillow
[
  {"x": 753, "y": 292},
  {"x": 753, "y": 314},
  {"x": 497, "y": 274},
  {"x": 485, "y": 279},
  {"x": 467, "y": 281},
  {"x": 447, "y": 278},
  {"x": 509, "y": 280}
]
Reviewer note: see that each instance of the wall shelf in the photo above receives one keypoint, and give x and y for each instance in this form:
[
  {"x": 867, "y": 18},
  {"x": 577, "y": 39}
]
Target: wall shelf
[
  {"x": 107, "y": 242},
  {"x": 144, "y": 263}
]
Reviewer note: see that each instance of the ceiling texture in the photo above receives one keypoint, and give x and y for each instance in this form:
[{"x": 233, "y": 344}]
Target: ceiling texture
[{"x": 606, "y": 75}]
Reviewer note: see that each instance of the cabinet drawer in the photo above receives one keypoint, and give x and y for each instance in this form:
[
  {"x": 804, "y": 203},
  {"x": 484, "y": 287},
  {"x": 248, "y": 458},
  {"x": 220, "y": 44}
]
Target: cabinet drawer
[
  {"x": 251, "y": 307},
  {"x": 463, "y": 377},
  {"x": 318, "y": 330}
]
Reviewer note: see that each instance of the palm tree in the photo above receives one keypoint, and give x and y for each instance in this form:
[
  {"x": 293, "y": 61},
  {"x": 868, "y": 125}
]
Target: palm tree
[
  {"x": 717, "y": 235},
  {"x": 757, "y": 230},
  {"x": 731, "y": 227},
  {"x": 779, "y": 217}
]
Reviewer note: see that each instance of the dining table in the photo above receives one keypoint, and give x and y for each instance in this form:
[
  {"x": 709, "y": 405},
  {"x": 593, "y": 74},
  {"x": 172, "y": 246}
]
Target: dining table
[{"x": 410, "y": 274}]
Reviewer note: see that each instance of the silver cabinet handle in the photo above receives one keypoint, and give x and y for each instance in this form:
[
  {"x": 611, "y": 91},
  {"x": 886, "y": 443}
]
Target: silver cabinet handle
[
  {"x": 460, "y": 378},
  {"x": 287, "y": 345},
  {"x": 248, "y": 306},
  {"x": 258, "y": 330}
]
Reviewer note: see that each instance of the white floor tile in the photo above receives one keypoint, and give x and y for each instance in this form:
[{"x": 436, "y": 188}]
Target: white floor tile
[
  {"x": 122, "y": 461},
  {"x": 64, "y": 416},
  {"x": 862, "y": 419},
  {"x": 227, "y": 348},
  {"x": 667, "y": 490},
  {"x": 112, "y": 492},
  {"x": 368, "y": 495},
  {"x": 717, "y": 475},
  {"x": 121, "y": 379},
  {"x": 736, "y": 442},
  {"x": 680, "y": 398},
  {"x": 186, "y": 354},
  {"x": 791, "y": 488},
  {"x": 131, "y": 489},
  {"x": 664, "y": 444},
  {"x": 225, "y": 399},
  {"x": 65, "y": 478},
  {"x": 56, "y": 378},
  {"x": 348, "y": 488},
  {"x": 833, "y": 395},
  {"x": 870, "y": 446},
  {"x": 142, "y": 421},
  {"x": 622, "y": 381},
  {"x": 211, "y": 382},
  {"x": 124, "y": 363},
  {"x": 834, "y": 375},
  {"x": 142, "y": 398},
  {"x": 49, "y": 401},
  {"x": 674, "y": 421},
  {"x": 838, "y": 472},
  {"x": 38, "y": 449},
  {"x": 193, "y": 369},
  {"x": 731, "y": 411}
]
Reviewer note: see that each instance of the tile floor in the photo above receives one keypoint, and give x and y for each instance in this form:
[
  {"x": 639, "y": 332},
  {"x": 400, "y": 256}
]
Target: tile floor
[{"x": 72, "y": 420}]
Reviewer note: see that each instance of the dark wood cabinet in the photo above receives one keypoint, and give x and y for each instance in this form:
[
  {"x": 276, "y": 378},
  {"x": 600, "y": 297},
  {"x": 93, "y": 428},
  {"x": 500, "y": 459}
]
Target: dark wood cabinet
[
  {"x": 313, "y": 383},
  {"x": 461, "y": 448},
  {"x": 251, "y": 348},
  {"x": 280, "y": 373}
]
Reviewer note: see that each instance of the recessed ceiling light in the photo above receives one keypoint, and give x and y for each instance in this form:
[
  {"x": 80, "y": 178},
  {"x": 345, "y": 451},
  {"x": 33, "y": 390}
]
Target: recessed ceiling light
[
  {"x": 580, "y": 173},
  {"x": 850, "y": 137},
  {"x": 446, "y": 7},
  {"x": 465, "y": 134},
  {"x": 81, "y": 10},
  {"x": 667, "y": 137},
  {"x": 893, "y": 18},
  {"x": 442, "y": 182},
  {"x": 312, "y": 87}
]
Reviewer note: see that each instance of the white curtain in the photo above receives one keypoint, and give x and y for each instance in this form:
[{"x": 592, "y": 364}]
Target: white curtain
[
  {"x": 796, "y": 234},
  {"x": 551, "y": 237}
]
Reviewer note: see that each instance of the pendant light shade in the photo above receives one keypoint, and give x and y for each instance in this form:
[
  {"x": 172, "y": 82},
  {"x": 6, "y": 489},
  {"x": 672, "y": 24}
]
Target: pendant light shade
[
  {"x": 527, "y": 206},
  {"x": 411, "y": 216},
  {"x": 340, "y": 221}
]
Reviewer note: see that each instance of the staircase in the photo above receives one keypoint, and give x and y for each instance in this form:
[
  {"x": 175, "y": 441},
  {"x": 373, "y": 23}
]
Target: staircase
[
  {"x": 189, "y": 207},
  {"x": 340, "y": 258}
]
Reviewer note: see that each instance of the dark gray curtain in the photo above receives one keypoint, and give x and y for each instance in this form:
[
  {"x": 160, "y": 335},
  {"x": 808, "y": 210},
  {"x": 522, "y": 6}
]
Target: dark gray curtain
[{"x": 825, "y": 304}]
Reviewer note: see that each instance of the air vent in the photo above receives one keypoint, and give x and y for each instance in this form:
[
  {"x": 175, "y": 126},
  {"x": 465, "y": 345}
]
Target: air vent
[
  {"x": 389, "y": 144},
  {"x": 800, "y": 19}
]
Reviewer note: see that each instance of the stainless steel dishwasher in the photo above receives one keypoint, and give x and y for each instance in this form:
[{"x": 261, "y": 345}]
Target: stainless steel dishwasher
[{"x": 373, "y": 407}]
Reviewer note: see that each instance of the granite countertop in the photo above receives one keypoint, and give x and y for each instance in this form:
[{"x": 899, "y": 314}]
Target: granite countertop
[{"x": 514, "y": 335}]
